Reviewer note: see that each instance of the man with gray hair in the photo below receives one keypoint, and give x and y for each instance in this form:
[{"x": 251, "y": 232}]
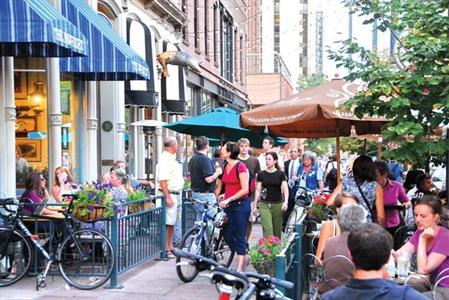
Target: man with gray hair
[
  {"x": 337, "y": 264},
  {"x": 171, "y": 181}
]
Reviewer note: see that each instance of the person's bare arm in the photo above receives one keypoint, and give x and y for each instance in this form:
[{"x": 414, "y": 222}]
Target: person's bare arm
[
  {"x": 284, "y": 188},
  {"x": 214, "y": 176},
  {"x": 164, "y": 187},
  {"x": 380, "y": 205},
  {"x": 257, "y": 194},
  {"x": 334, "y": 194}
]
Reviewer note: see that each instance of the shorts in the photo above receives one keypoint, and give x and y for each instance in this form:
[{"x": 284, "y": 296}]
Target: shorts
[{"x": 172, "y": 213}]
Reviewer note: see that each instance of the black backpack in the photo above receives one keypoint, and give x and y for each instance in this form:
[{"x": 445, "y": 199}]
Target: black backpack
[{"x": 331, "y": 177}]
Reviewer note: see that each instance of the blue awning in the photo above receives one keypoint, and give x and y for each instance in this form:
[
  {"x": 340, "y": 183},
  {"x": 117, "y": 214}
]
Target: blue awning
[
  {"x": 110, "y": 58},
  {"x": 35, "y": 28}
]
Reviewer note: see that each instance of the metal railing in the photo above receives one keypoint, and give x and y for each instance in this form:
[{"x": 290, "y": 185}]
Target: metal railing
[{"x": 136, "y": 237}]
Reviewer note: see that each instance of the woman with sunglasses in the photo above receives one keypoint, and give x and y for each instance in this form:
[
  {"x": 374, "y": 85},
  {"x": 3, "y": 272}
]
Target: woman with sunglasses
[{"x": 36, "y": 192}]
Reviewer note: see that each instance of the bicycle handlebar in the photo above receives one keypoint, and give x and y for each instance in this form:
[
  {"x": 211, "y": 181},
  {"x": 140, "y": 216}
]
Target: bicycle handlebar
[
  {"x": 196, "y": 258},
  {"x": 278, "y": 282},
  {"x": 218, "y": 269}
]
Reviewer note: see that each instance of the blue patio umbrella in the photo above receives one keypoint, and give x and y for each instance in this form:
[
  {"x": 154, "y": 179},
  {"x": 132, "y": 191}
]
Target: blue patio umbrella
[{"x": 221, "y": 124}]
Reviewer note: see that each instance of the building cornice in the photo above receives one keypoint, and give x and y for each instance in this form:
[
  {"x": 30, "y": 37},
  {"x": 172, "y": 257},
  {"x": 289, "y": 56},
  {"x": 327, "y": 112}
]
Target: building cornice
[{"x": 167, "y": 11}]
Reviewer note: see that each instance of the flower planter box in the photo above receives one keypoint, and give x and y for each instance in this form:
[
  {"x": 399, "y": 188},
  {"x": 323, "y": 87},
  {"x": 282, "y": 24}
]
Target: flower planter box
[
  {"x": 95, "y": 212},
  {"x": 266, "y": 268}
]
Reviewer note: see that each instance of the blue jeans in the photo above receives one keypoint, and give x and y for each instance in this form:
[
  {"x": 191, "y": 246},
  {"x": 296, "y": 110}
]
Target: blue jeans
[
  {"x": 238, "y": 213},
  {"x": 210, "y": 198}
]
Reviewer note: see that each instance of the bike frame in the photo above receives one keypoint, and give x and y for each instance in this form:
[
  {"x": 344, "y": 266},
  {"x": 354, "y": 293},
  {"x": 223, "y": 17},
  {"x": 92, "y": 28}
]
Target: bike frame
[
  {"x": 203, "y": 226},
  {"x": 17, "y": 224}
]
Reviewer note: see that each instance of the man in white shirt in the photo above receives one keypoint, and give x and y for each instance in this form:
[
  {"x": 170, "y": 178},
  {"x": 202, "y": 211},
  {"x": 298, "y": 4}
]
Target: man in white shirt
[
  {"x": 267, "y": 145},
  {"x": 171, "y": 181}
]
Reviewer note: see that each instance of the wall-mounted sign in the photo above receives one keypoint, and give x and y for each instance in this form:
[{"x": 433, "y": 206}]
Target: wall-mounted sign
[{"x": 107, "y": 126}]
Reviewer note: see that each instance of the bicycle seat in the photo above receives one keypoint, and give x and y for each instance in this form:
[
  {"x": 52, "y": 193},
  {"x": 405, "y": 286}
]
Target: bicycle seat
[{"x": 230, "y": 278}]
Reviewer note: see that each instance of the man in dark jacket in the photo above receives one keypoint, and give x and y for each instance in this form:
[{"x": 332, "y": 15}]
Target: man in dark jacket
[{"x": 370, "y": 247}]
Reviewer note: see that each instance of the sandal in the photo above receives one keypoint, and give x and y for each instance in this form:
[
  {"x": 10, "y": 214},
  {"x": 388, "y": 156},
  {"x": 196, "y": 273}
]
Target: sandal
[{"x": 169, "y": 255}]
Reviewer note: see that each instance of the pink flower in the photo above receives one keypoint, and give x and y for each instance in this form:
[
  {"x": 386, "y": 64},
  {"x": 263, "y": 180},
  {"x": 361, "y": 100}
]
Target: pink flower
[{"x": 425, "y": 91}]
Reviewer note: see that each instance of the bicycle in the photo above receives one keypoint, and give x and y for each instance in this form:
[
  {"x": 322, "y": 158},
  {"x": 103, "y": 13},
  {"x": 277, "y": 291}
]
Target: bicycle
[
  {"x": 246, "y": 284},
  {"x": 303, "y": 201},
  {"x": 197, "y": 240},
  {"x": 85, "y": 256}
]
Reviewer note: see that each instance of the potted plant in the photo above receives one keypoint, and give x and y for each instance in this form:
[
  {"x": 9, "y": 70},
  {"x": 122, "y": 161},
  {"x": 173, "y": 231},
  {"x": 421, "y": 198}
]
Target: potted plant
[
  {"x": 142, "y": 205},
  {"x": 319, "y": 211},
  {"x": 263, "y": 254},
  {"x": 93, "y": 201}
]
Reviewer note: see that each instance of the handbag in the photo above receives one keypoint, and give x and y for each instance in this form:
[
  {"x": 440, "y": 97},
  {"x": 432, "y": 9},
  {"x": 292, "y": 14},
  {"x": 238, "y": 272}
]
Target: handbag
[{"x": 372, "y": 210}]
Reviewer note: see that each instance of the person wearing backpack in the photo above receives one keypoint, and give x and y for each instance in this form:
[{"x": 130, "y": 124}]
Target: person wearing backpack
[
  {"x": 235, "y": 201},
  {"x": 253, "y": 166}
]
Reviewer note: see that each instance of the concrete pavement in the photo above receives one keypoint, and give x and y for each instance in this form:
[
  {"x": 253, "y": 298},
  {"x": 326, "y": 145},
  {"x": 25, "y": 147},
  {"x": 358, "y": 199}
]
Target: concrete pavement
[{"x": 155, "y": 280}]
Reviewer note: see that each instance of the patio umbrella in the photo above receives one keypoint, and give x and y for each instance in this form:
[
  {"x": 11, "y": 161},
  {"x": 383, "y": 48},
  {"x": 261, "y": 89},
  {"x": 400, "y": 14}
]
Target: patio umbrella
[
  {"x": 221, "y": 124},
  {"x": 313, "y": 113}
]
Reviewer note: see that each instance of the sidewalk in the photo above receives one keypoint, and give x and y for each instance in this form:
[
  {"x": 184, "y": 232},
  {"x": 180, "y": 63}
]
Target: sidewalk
[{"x": 155, "y": 280}]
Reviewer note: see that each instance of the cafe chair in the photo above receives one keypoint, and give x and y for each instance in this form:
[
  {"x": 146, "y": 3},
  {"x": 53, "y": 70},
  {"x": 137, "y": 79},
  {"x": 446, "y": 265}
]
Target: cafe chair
[
  {"x": 444, "y": 274},
  {"x": 403, "y": 234},
  {"x": 335, "y": 262}
]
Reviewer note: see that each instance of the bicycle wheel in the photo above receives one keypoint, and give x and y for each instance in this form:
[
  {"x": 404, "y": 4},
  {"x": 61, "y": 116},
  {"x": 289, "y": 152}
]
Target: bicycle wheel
[
  {"x": 15, "y": 256},
  {"x": 190, "y": 243},
  {"x": 86, "y": 259},
  {"x": 291, "y": 222},
  {"x": 222, "y": 253}
]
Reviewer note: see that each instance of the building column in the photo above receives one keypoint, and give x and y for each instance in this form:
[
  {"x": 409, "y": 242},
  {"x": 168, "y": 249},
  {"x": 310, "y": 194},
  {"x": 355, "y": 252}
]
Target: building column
[
  {"x": 54, "y": 116},
  {"x": 141, "y": 146},
  {"x": 91, "y": 150},
  {"x": 7, "y": 129},
  {"x": 91, "y": 171}
]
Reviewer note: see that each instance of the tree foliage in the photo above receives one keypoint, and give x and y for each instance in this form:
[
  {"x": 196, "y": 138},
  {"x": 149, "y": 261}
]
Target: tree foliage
[
  {"x": 347, "y": 144},
  {"x": 411, "y": 88},
  {"x": 310, "y": 81}
]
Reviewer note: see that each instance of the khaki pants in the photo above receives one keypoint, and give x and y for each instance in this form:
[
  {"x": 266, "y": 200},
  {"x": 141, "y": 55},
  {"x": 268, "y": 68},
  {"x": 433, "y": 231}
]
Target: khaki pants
[{"x": 271, "y": 218}]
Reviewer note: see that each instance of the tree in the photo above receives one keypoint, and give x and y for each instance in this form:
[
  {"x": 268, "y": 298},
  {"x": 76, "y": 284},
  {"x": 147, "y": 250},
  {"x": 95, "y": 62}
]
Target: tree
[
  {"x": 310, "y": 81},
  {"x": 411, "y": 88}
]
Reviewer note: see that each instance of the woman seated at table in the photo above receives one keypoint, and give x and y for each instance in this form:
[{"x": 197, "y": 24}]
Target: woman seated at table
[
  {"x": 338, "y": 269},
  {"x": 430, "y": 243},
  {"x": 63, "y": 184},
  {"x": 332, "y": 228},
  {"x": 36, "y": 192}
]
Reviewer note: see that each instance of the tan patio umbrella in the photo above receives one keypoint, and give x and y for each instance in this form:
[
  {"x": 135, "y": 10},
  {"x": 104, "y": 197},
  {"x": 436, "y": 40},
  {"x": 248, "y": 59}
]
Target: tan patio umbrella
[{"x": 313, "y": 113}]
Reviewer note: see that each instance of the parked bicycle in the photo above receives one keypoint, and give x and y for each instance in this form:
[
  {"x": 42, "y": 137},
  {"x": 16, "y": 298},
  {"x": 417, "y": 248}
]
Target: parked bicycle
[
  {"x": 85, "y": 256},
  {"x": 245, "y": 284},
  {"x": 303, "y": 201},
  {"x": 205, "y": 238}
]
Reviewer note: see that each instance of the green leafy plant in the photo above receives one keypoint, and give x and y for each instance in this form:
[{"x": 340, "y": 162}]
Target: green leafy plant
[
  {"x": 94, "y": 195},
  {"x": 409, "y": 85},
  {"x": 136, "y": 196},
  {"x": 265, "y": 250}
]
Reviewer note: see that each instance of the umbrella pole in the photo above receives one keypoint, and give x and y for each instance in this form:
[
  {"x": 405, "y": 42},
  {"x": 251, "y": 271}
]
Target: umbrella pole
[
  {"x": 337, "y": 142},
  {"x": 221, "y": 138}
]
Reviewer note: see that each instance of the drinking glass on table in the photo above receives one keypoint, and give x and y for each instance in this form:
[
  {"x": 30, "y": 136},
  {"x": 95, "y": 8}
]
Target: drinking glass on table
[{"x": 403, "y": 262}]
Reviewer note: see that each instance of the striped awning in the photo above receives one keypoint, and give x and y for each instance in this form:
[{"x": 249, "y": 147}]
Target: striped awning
[
  {"x": 110, "y": 58},
  {"x": 141, "y": 93},
  {"x": 173, "y": 96},
  {"x": 34, "y": 28}
]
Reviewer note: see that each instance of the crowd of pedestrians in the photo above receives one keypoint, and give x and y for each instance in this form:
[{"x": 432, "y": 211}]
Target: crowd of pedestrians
[{"x": 371, "y": 204}]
